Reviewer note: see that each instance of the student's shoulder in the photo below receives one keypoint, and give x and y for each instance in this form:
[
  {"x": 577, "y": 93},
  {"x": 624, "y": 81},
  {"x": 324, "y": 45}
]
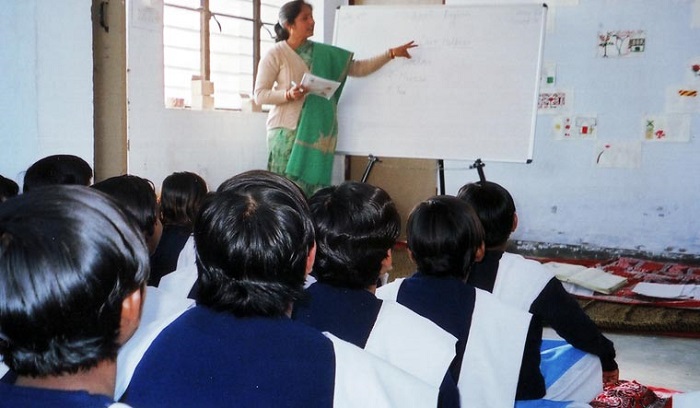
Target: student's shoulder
[
  {"x": 16, "y": 396},
  {"x": 511, "y": 261},
  {"x": 390, "y": 290}
]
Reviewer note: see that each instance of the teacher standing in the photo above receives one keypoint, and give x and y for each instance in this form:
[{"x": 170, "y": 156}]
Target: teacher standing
[{"x": 302, "y": 129}]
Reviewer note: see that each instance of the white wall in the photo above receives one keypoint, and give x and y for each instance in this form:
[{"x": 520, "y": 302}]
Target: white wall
[
  {"x": 45, "y": 82},
  {"x": 562, "y": 197},
  {"x": 214, "y": 144}
]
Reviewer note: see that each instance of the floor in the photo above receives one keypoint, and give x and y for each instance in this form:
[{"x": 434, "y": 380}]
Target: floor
[{"x": 659, "y": 361}]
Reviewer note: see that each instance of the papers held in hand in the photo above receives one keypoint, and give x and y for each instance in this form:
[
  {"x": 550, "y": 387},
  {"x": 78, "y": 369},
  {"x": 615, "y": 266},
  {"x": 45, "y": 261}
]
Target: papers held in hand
[{"x": 319, "y": 86}]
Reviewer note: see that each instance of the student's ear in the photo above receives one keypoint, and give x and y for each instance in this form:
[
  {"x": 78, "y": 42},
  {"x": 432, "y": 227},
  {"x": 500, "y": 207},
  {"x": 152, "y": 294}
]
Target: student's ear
[
  {"x": 515, "y": 222},
  {"x": 153, "y": 240},
  {"x": 310, "y": 258},
  {"x": 480, "y": 252},
  {"x": 387, "y": 263},
  {"x": 410, "y": 255},
  {"x": 132, "y": 306}
]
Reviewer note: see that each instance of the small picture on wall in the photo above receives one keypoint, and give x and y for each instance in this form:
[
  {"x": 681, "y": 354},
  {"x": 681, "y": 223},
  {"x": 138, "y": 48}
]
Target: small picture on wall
[
  {"x": 621, "y": 43},
  {"x": 574, "y": 127},
  {"x": 618, "y": 154},
  {"x": 555, "y": 101},
  {"x": 548, "y": 75},
  {"x": 683, "y": 99},
  {"x": 666, "y": 128},
  {"x": 693, "y": 71}
]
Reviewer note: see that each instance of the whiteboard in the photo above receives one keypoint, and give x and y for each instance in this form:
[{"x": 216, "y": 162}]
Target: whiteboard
[{"x": 469, "y": 91}]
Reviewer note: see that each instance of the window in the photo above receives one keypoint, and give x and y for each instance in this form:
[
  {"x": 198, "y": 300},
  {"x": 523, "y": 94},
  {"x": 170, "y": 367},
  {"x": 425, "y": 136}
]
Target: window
[{"x": 232, "y": 47}]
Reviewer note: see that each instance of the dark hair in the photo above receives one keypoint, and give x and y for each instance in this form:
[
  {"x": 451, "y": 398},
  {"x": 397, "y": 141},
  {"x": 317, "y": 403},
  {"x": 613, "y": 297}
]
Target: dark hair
[
  {"x": 68, "y": 259},
  {"x": 137, "y": 196},
  {"x": 253, "y": 237},
  {"x": 181, "y": 195},
  {"x": 57, "y": 169},
  {"x": 495, "y": 208},
  {"x": 443, "y": 235},
  {"x": 255, "y": 179},
  {"x": 8, "y": 188},
  {"x": 287, "y": 14},
  {"x": 356, "y": 224}
]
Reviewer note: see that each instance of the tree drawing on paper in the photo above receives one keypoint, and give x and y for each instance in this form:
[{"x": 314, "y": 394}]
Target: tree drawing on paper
[
  {"x": 605, "y": 41},
  {"x": 605, "y": 148},
  {"x": 623, "y": 42}
]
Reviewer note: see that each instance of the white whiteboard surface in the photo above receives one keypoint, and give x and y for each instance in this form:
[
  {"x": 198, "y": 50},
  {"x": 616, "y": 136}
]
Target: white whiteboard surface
[{"x": 469, "y": 91}]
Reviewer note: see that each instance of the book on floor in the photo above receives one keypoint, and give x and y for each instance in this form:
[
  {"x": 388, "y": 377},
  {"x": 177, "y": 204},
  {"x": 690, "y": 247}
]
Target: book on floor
[{"x": 595, "y": 279}]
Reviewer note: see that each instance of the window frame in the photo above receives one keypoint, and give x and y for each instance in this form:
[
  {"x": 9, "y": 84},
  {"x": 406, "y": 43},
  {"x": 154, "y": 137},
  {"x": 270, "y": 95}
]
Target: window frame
[{"x": 206, "y": 15}]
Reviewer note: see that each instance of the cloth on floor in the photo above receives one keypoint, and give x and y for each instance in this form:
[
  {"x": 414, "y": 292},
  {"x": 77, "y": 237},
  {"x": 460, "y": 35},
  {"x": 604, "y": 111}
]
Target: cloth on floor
[
  {"x": 640, "y": 270},
  {"x": 624, "y": 310},
  {"x": 569, "y": 373},
  {"x": 629, "y": 394}
]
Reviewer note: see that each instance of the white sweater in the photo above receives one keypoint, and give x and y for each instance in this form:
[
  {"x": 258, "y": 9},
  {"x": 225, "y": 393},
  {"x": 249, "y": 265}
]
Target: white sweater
[{"x": 280, "y": 67}]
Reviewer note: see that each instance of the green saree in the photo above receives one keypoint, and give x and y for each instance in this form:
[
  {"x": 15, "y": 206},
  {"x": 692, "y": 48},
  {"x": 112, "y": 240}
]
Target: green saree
[{"x": 311, "y": 159}]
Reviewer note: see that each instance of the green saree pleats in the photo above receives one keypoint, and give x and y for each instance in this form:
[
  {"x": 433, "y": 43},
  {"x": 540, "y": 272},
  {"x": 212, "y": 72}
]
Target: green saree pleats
[{"x": 311, "y": 160}]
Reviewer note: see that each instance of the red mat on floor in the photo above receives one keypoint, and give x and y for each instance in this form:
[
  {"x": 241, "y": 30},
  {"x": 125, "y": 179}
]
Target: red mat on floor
[
  {"x": 627, "y": 312},
  {"x": 640, "y": 270},
  {"x": 631, "y": 394}
]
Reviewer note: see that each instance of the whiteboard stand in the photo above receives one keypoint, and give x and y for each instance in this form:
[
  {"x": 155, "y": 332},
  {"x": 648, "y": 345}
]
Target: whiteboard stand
[
  {"x": 479, "y": 166},
  {"x": 441, "y": 176},
  {"x": 371, "y": 160}
]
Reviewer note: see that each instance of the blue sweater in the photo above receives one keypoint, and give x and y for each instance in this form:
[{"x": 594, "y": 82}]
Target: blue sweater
[
  {"x": 16, "y": 396},
  {"x": 211, "y": 359},
  {"x": 351, "y": 314}
]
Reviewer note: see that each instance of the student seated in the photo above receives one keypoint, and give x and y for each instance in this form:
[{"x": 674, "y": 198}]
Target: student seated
[
  {"x": 181, "y": 195},
  {"x": 357, "y": 225},
  {"x": 527, "y": 285},
  {"x": 8, "y": 188},
  {"x": 137, "y": 197},
  {"x": 57, "y": 169},
  {"x": 238, "y": 346},
  {"x": 444, "y": 239},
  {"x": 73, "y": 269}
]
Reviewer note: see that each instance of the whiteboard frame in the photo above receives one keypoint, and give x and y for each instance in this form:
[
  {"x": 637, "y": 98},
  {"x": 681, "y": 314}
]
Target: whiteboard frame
[{"x": 375, "y": 129}]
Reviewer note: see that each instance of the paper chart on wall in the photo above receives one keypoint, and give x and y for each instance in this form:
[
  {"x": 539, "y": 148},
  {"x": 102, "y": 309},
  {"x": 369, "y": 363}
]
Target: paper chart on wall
[
  {"x": 574, "y": 127},
  {"x": 555, "y": 101},
  {"x": 666, "y": 128},
  {"x": 683, "y": 99},
  {"x": 621, "y": 43},
  {"x": 618, "y": 154}
]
